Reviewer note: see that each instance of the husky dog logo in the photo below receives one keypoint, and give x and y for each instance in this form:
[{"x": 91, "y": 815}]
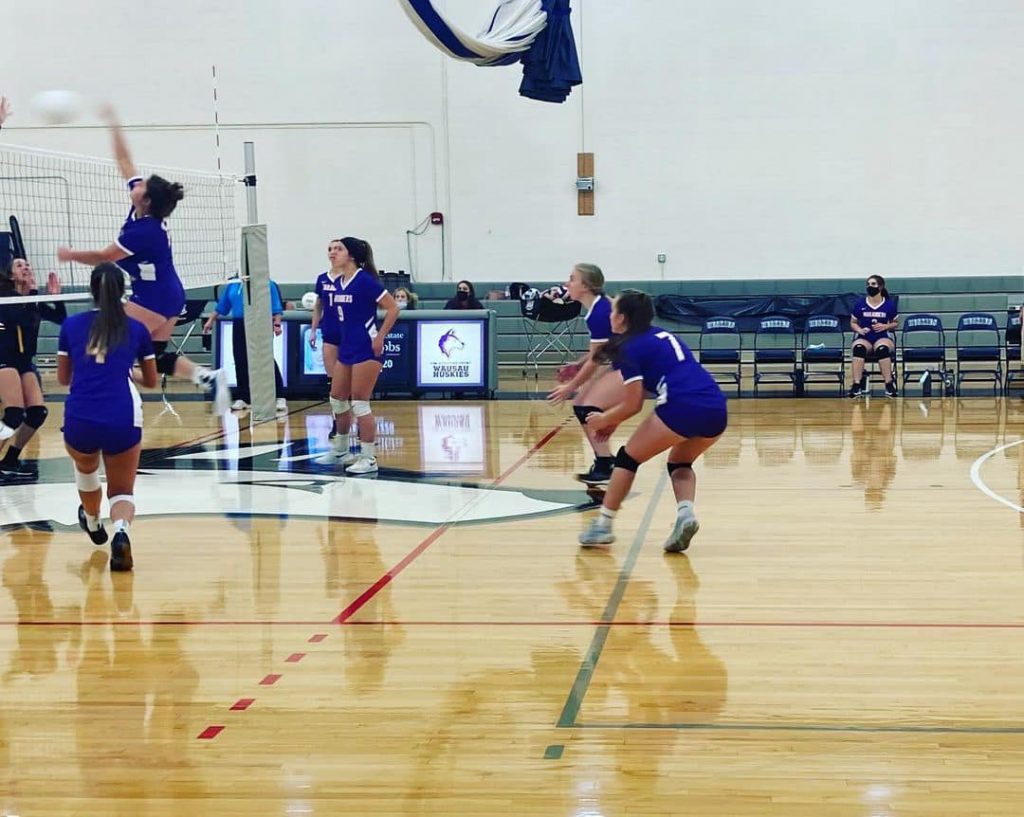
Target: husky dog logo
[
  {"x": 450, "y": 342},
  {"x": 280, "y": 480}
]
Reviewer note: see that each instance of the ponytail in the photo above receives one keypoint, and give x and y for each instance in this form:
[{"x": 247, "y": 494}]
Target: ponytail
[
  {"x": 362, "y": 253},
  {"x": 110, "y": 328}
]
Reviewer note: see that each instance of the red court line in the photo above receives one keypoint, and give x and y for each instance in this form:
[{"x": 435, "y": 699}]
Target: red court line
[
  {"x": 417, "y": 551},
  {"x": 316, "y": 639},
  {"x": 242, "y": 704},
  {"x": 270, "y": 680},
  {"x": 295, "y": 657},
  {"x": 210, "y": 436},
  {"x": 210, "y": 732}
]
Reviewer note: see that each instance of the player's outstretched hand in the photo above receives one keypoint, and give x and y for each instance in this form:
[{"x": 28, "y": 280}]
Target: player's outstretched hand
[
  {"x": 5, "y": 109},
  {"x": 560, "y": 394}
]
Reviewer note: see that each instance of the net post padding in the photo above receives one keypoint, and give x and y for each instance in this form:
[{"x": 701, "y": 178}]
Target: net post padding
[{"x": 259, "y": 332}]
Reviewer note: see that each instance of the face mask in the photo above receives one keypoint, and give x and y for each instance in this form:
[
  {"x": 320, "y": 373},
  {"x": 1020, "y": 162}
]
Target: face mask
[
  {"x": 402, "y": 304},
  {"x": 872, "y": 291},
  {"x": 462, "y": 296}
]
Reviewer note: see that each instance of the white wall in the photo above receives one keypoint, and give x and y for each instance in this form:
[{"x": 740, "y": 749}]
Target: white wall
[{"x": 744, "y": 138}]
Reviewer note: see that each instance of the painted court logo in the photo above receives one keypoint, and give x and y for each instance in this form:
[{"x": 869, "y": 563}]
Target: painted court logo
[{"x": 278, "y": 480}]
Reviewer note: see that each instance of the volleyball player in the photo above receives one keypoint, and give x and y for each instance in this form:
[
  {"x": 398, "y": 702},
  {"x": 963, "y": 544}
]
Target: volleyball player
[
  {"x": 20, "y": 388},
  {"x": 596, "y": 386},
  {"x": 143, "y": 250},
  {"x": 103, "y": 412},
  {"x": 325, "y": 315},
  {"x": 689, "y": 415},
  {"x": 356, "y": 298},
  {"x": 874, "y": 316}
]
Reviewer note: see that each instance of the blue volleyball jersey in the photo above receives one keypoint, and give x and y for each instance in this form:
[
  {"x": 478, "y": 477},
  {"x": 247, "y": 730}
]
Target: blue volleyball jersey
[
  {"x": 885, "y": 312},
  {"x": 103, "y": 392},
  {"x": 356, "y": 304},
  {"x": 667, "y": 368},
  {"x": 150, "y": 262},
  {"x": 325, "y": 289},
  {"x": 599, "y": 320}
]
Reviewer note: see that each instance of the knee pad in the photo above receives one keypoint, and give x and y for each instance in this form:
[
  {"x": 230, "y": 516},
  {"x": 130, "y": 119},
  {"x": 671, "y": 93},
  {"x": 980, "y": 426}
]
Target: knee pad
[
  {"x": 623, "y": 460},
  {"x": 675, "y": 466},
  {"x": 861, "y": 351},
  {"x": 583, "y": 412},
  {"x": 35, "y": 416},
  {"x": 87, "y": 482},
  {"x": 165, "y": 362},
  {"x": 340, "y": 406},
  {"x": 14, "y": 416},
  {"x": 159, "y": 347},
  {"x": 361, "y": 408},
  {"x": 129, "y": 498},
  {"x": 882, "y": 352}
]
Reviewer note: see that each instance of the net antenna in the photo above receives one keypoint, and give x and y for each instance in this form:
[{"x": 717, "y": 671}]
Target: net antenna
[{"x": 81, "y": 201}]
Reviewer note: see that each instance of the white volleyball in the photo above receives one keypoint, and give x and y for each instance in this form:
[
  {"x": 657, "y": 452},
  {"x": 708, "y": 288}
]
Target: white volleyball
[
  {"x": 309, "y": 300},
  {"x": 57, "y": 107}
]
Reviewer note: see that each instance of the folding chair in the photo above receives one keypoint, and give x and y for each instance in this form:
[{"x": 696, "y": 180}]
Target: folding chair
[
  {"x": 716, "y": 331},
  {"x": 925, "y": 361},
  {"x": 970, "y": 329},
  {"x": 775, "y": 344},
  {"x": 1014, "y": 368},
  {"x": 824, "y": 345}
]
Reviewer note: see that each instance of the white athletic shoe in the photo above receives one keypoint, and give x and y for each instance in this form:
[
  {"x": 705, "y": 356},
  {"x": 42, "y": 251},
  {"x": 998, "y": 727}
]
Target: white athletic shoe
[
  {"x": 239, "y": 405},
  {"x": 335, "y": 459},
  {"x": 362, "y": 465},
  {"x": 596, "y": 535},
  {"x": 682, "y": 532},
  {"x": 6, "y": 432},
  {"x": 281, "y": 406}
]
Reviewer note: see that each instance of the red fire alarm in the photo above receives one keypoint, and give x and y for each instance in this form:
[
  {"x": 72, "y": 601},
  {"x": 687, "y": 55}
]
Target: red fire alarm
[{"x": 437, "y": 218}]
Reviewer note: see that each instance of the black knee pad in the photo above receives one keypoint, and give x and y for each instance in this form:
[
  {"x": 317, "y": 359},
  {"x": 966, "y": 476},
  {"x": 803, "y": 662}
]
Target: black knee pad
[
  {"x": 14, "y": 417},
  {"x": 623, "y": 460},
  {"x": 165, "y": 362},
  {"x": 35, "y": 416},
  {"x": 675, "y": 466},
  {"x": 583, "y": 412},
  {"x": 861, "y": 351},
  {"x": 882, "y": 352}
]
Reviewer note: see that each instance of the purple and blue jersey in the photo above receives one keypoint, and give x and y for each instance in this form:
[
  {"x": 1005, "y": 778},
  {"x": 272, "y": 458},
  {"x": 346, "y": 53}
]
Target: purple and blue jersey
[
  {"x": 865, "y": 313},
  {"x": 150, "y": 263},
  {"x": 687, "y": 398},
  {"x": 599, "y": 320}
]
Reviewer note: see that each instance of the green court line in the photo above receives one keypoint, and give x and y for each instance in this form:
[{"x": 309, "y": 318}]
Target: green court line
[
  {"x": 808, "y": 727},
  {"x": 554, "y": 751},
  {"x": 586, "y": 672}
]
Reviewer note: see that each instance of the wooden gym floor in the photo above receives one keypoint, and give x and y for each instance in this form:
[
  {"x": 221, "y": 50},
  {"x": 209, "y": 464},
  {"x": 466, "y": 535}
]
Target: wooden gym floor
[{"x": 846, "y": 636}]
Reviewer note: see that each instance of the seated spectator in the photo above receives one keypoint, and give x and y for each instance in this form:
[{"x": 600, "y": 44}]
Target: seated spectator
[
  {"x": 405, "y": 298},
  {"x": 465, "y": 297}
]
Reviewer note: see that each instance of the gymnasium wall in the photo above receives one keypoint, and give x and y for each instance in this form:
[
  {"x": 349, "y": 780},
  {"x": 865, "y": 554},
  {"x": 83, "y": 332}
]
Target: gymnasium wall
[{"x": 742, "y": 138}]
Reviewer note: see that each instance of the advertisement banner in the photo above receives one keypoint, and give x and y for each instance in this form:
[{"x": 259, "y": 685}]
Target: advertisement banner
[{"x": 451, "y": 354}]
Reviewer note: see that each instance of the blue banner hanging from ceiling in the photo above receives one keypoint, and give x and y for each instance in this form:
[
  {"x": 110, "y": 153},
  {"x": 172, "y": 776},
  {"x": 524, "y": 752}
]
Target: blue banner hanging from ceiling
[{"x": 537, "y": 33}]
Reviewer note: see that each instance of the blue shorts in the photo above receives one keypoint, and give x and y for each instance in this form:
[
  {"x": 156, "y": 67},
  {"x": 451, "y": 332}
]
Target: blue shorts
[
  {"x": 360, "y": 354},
  {"x": 167, "y": 299},
  {"x": 689, "y": 418},
  {"x": 88, "y": 438},
  {"x": 331, "y": 335},
  {"x": 871, "y": 338}
]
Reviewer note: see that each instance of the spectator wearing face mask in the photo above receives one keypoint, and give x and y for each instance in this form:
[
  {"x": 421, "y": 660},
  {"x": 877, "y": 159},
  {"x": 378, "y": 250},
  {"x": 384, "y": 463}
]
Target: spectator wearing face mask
[
  {"x": 465, "y": 297},
  {"x": 874, "y": 319},
  {"x": 405, "y": 298}
]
